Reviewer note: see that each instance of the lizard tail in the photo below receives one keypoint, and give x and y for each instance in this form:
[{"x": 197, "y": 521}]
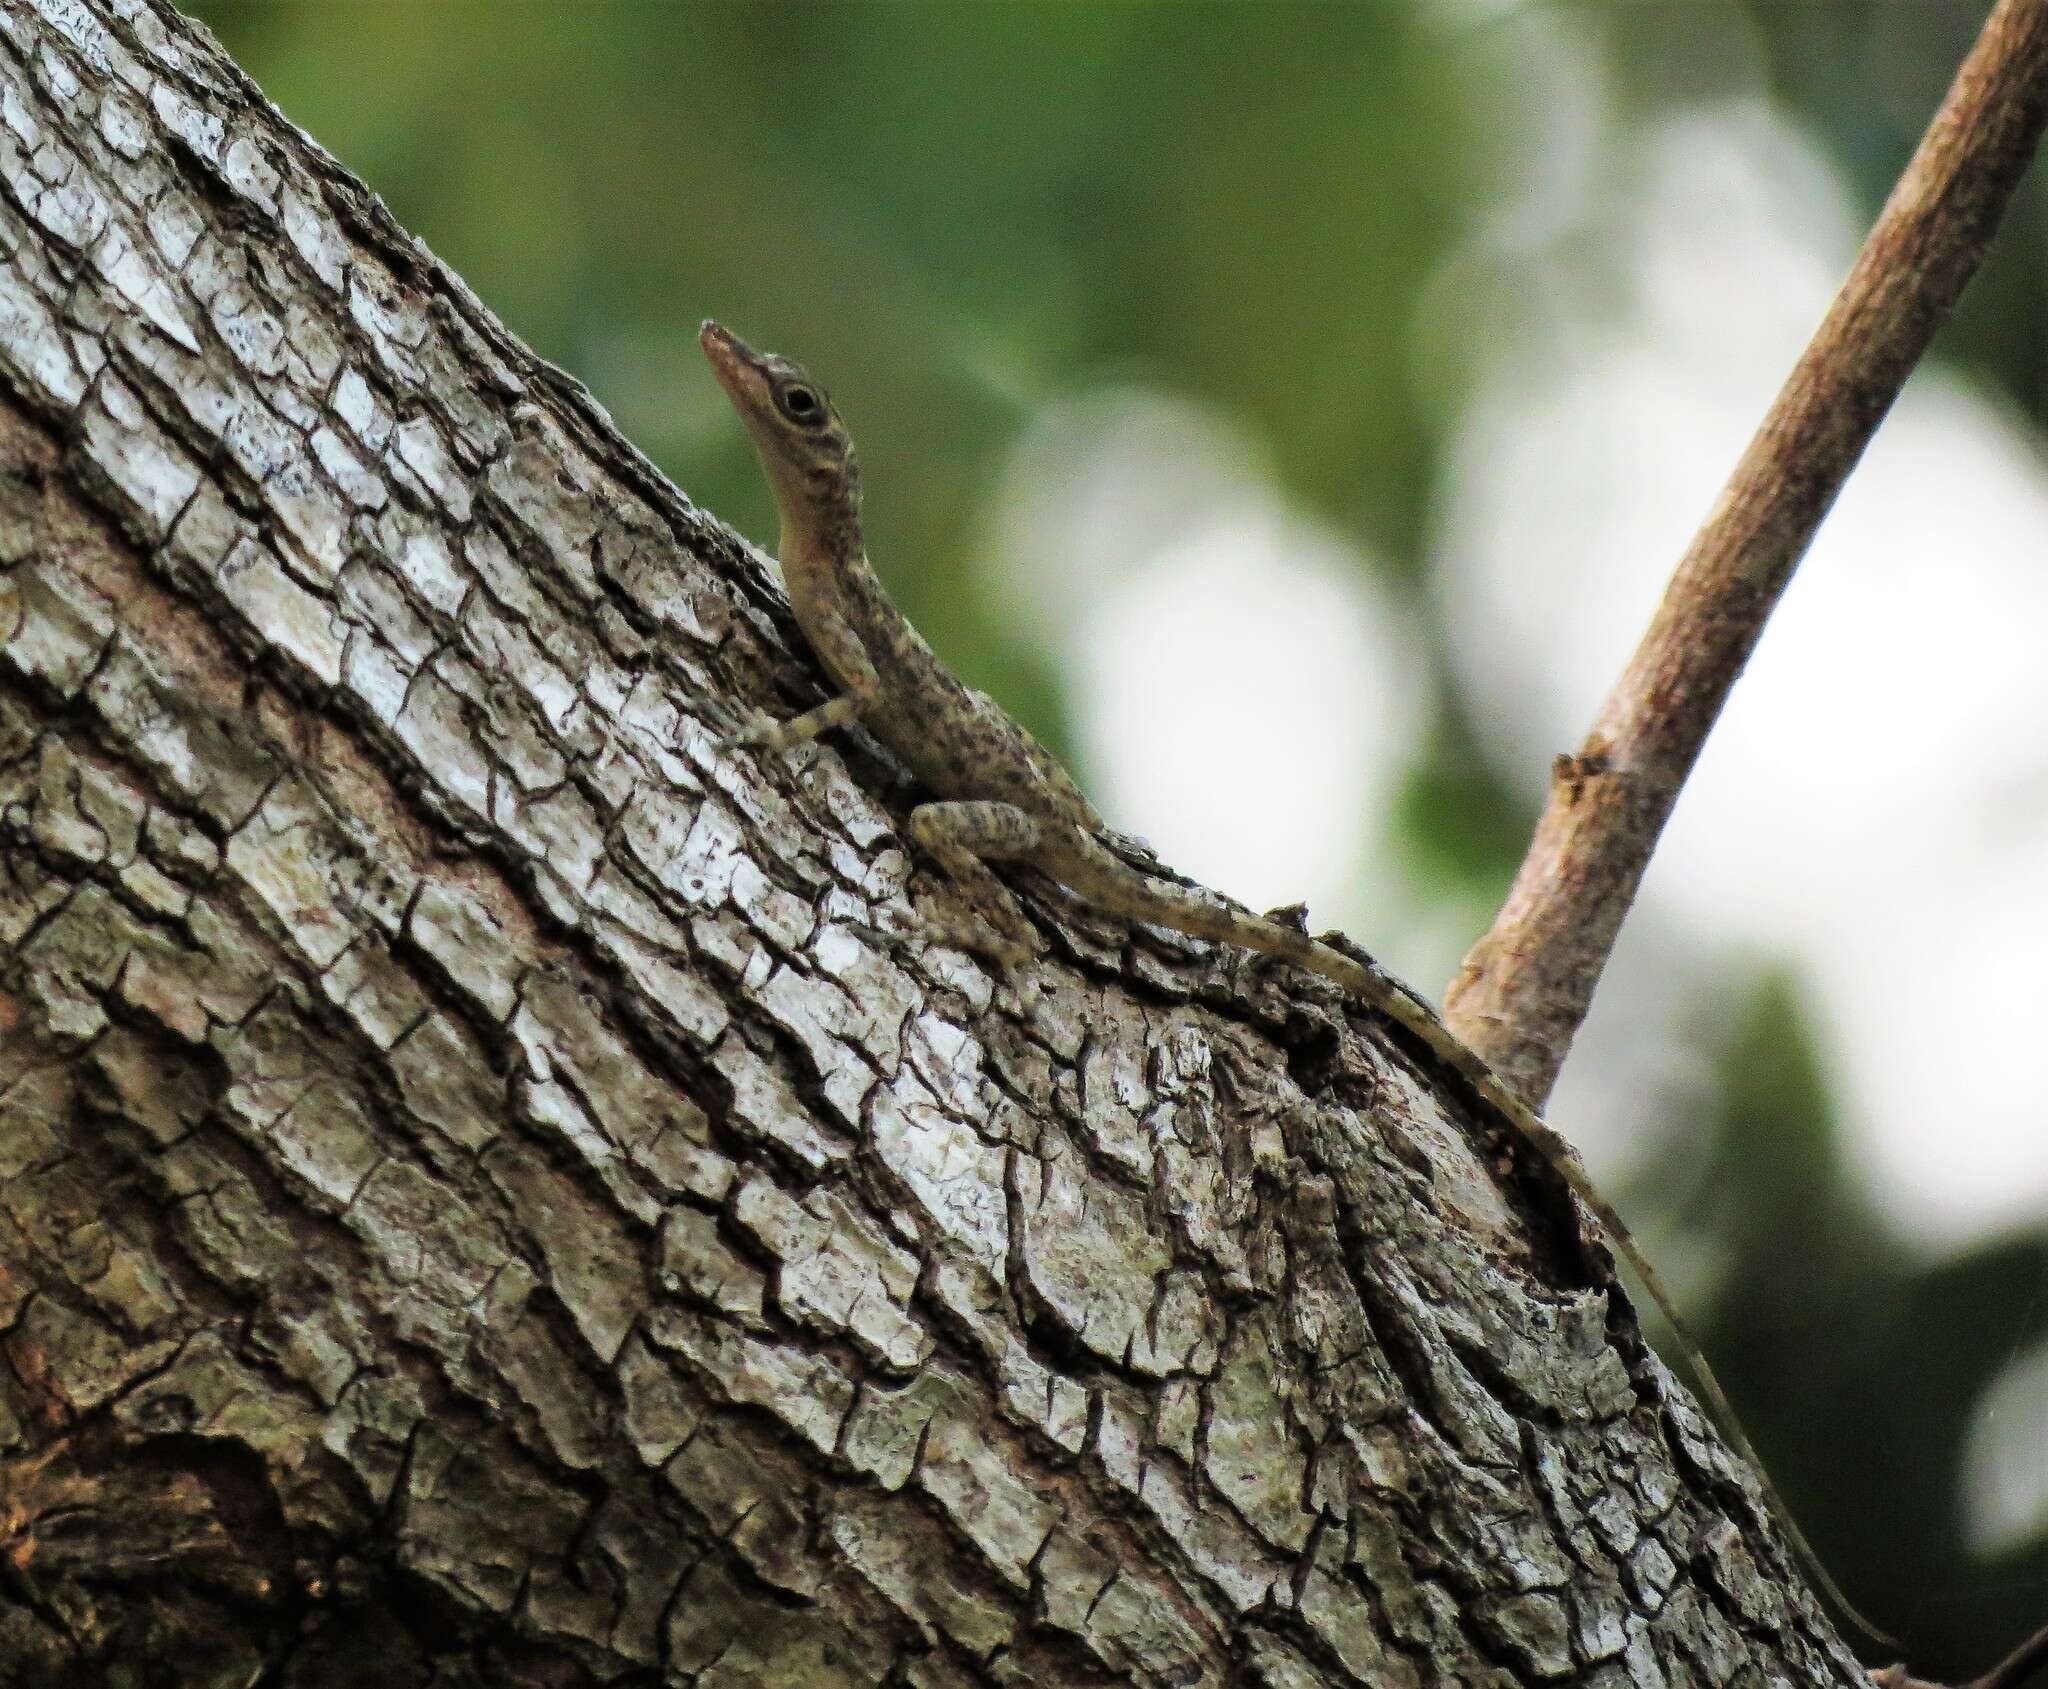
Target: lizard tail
[{"x": 1108, "y": 883}]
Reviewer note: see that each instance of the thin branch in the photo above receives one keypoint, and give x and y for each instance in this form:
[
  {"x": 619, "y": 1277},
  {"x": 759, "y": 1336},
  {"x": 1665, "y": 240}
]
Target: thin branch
[
  {"x": 2019, "y": 1665},
  {"x": 1526, "y": 985},
  {"x": 2009, "y": 1673}
]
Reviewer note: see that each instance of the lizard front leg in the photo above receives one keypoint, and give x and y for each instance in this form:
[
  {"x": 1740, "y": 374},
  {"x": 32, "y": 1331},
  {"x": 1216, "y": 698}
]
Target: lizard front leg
[{"x": 839, "y": 648}]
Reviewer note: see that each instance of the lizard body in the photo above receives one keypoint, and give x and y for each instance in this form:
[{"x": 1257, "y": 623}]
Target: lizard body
[{"x": 1003, "y": 797}]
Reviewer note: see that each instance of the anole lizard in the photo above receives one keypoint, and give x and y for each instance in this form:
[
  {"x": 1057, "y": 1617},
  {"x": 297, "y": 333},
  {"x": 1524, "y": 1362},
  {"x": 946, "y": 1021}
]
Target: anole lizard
[{"x": 1002, "y": 797}]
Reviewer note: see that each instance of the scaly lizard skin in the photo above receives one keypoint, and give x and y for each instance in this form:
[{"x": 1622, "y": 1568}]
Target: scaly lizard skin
[{"x": 1003, "y": 797}]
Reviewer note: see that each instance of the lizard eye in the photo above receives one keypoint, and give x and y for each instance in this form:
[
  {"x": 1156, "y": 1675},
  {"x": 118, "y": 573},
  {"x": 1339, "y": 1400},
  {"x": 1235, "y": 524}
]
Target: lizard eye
[{"x": 800, "y": 403}]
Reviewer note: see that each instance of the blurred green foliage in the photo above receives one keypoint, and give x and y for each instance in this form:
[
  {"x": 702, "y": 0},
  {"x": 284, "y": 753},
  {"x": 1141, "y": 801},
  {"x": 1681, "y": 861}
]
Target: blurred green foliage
[
  {"x": 948, "y": 209},
  {"x": 954, "y": 210}
]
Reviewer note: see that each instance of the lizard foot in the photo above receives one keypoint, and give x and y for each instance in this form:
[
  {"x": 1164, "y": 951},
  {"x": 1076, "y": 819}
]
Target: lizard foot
[
  {"x": 1010, "y": 956},
  {"x": 1292, "y": 916},
  {"x": 727, "y": 720},
  {"x": 757, "y": 727}
]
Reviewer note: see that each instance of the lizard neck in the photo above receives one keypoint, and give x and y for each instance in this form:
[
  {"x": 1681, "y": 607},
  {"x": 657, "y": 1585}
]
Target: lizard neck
[
  {"x": 816, "y": 575},
  {"x": 821, "y": 547}
]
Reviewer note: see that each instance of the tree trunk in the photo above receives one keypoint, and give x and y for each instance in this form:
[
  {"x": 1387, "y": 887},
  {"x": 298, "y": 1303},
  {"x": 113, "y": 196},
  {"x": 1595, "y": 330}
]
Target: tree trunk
[{"x": 489, "y": 1193}]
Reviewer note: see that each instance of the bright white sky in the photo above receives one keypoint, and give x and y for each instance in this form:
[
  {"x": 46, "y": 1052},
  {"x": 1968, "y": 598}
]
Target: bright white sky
[{"x": 1872, "y": 811}]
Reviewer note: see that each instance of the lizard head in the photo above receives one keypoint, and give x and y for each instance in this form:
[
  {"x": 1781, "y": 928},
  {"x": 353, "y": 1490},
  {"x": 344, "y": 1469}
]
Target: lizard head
[{"x": 804, "y": 447}]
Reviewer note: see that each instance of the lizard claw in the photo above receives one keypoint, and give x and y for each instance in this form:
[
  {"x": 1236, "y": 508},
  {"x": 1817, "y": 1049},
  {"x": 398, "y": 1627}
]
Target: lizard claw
[{"x": 1294, "y": 915}]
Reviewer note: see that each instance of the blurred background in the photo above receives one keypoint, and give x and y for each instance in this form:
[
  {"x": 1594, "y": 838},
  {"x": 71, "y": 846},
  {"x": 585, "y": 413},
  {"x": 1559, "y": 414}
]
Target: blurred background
[{"x": 1292, "y": 412}]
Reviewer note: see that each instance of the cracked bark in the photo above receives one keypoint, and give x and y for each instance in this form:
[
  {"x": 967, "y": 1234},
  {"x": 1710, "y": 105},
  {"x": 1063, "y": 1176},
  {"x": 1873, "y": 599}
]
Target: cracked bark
[{"x": 482, "y": 1200}]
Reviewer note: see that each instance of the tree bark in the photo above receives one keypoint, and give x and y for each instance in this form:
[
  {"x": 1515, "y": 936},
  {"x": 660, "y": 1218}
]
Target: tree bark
[{"x": 485, "y": 1200}]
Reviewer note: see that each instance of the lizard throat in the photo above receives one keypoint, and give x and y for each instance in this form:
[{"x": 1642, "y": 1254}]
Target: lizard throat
[{"x": 820, "y": 522}]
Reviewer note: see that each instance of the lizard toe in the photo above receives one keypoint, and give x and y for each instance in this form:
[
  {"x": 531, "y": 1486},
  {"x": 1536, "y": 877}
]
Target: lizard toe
[{"x": 758, "y": 728}]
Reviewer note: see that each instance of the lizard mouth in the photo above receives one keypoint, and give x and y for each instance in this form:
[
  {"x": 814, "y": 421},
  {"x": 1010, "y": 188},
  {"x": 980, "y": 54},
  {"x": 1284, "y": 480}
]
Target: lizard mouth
[{"x": 740, "y": 369}]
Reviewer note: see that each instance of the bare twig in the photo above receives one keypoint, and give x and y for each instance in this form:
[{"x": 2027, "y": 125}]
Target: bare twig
[
  {"x": 2009, "y": 1673},
  {"x": 1526, "y": 985},
  {"x": 2019, "y": 1665}
]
